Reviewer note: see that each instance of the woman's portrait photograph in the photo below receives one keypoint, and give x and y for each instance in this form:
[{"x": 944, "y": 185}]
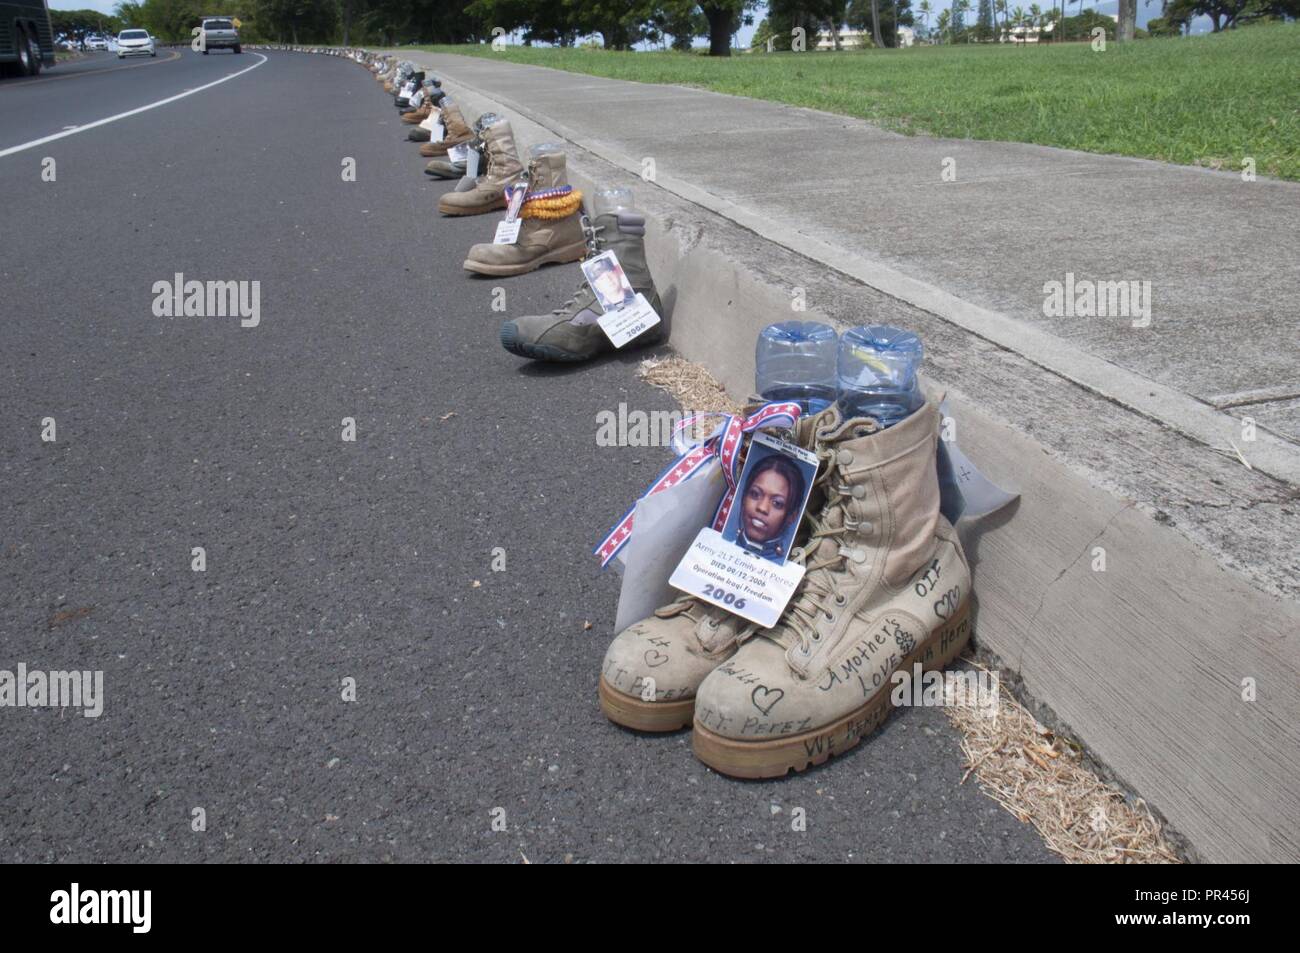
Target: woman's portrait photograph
[{"x": 773, "y": 490}]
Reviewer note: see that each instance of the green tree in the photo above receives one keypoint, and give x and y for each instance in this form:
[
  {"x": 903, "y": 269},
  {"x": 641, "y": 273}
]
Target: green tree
[
  {"x": 683, "y": 21},
  {"x": 724, "y": 18}
]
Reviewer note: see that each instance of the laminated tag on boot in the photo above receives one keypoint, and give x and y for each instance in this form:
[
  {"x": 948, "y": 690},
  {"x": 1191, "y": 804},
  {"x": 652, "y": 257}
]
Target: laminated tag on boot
[
  {"x": 744, "y": 568},
  {"x": 629, "y": 322},
  {"x": 627, "y": 313},
  {"x": 508, "y": 232},
  {"x": 458, "y": 153},
  {"x": 516, "y": 200},
  {"x": 471, "y": 164},
  {"x": 438, "y": 132}
]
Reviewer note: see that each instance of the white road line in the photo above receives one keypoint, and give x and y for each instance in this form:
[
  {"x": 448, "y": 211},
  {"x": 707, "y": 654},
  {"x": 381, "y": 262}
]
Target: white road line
[{"x": 130, "y": 112}]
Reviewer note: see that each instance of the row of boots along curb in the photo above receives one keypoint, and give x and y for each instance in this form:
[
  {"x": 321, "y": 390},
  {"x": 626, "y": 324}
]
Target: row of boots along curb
[{"x": 553, "y": 230}]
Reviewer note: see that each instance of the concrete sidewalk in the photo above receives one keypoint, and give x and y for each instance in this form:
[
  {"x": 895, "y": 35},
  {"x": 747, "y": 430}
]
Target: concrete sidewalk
[
  {"x": 1219, "y": 254},
  {"x": 1147, "y": 572}
]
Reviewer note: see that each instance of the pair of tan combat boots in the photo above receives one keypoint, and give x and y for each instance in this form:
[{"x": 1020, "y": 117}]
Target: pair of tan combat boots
[
  {"x": 886, "y": 587},
  {"x": 541, "y": 240}
]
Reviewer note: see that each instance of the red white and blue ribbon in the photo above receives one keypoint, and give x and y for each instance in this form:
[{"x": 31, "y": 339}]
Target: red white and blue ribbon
[{"x": 725, "y": 444}]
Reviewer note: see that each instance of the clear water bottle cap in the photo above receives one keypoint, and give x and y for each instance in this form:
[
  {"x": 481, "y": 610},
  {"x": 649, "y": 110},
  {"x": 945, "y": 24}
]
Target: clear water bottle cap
[
  {"x": 877, "y": 373},
  {"x": 796, "y": 360},
  {"x": 879, "y": 356},
  {"x": 608, "y": 201}
]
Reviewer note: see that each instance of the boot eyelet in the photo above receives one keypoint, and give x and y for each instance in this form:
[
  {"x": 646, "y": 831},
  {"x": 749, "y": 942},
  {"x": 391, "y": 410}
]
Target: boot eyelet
[
  {"x": 865, "y": 527},
  {"x": 841, "y": 600},
  {"x": 829, "y": 618},
  {"x": 844, "y": 457},
  {"x": 859, "y": 491}
]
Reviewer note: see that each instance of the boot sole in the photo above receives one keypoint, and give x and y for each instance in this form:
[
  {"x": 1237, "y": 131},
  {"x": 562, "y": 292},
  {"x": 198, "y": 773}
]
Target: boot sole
[
  {"x": 631, "y": 712},
  {"x": 536, "y": 352},
  {"x": 574, "y": 252},
  {"x": 457, "y": 211},
  {"x": 442, "y": 147},
  {"x": 777, "y": 757}
]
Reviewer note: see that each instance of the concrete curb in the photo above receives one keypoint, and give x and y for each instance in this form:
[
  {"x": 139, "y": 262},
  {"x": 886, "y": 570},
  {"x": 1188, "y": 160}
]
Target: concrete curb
[{"x": 1145, "y": 661}]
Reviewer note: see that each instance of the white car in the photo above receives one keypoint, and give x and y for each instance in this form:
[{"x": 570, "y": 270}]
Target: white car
[
  {"x": 135, "y": 43},
  {"x": 96, "y": 42}
]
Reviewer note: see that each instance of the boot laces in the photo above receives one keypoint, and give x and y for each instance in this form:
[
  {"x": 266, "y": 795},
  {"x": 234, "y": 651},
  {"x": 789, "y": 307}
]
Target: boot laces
[
  {"x": 819, "y": 589},
  {"x": 580, "y": 294}
]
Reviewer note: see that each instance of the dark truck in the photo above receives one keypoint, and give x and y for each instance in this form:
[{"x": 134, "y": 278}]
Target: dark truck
[
  {"x": 219, "y": 33},
  {"x": 26, "y": 41}
]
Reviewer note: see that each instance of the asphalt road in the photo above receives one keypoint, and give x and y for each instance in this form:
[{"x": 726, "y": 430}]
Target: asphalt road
[{"x": 327, "y": 559}]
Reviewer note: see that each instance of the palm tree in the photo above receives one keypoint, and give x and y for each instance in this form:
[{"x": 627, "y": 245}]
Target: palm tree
[
  {"x": 1000, "y": 6},
  {"x": 924, "y": 10},
  {"x": 962, "y": 7},
  {"x": 941, "y": 24}
]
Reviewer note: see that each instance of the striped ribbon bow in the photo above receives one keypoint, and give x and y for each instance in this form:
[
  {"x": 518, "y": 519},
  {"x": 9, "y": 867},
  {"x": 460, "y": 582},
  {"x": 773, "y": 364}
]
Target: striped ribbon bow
[{"x": 724, "y": 443}]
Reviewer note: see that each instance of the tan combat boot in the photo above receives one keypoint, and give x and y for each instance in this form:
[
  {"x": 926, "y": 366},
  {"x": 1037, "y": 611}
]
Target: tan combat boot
[
  {"x": 457, "y": 132},
  {"x": 418, "y": 115},
  {"x": 543, "y": 238},
  {"x": 503, "y": 169},
  {"x": 887, "y": 586},
  {"x": 653, "y": 668}
]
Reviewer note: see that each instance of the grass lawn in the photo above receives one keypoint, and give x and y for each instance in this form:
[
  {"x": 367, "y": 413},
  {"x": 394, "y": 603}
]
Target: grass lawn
[{"x": 1207, "y": 100}]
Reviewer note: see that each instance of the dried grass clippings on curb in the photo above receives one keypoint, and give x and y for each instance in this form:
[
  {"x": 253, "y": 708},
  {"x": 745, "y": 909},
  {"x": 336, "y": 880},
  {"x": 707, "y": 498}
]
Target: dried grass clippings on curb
[
  {"x": 693, "y": 386},
  {"x": 1040, "y": 778}
]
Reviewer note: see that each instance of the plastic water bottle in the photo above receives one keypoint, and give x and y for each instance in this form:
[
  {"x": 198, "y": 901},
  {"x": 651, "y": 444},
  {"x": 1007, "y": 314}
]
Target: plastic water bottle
[
  {"x": 877, "y": 373},
  {"x": 795, "y": 360},
  {"x": 611, "y": 201}
]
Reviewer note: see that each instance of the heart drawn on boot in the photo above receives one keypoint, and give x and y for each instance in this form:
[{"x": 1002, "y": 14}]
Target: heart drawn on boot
[
  {"x": 654, "y": 657},
  {"x": 775, "y": 694}
]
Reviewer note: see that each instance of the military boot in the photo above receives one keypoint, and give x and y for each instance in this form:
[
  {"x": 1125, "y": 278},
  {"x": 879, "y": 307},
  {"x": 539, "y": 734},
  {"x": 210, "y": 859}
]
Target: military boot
[
  {"x": 503, "y": 169},
  {"x": 445, "y": 169},
  {"x": 423, "y": 132},
  {"x": 544, "y": 238},
  {"x": 570, "y": 332},
  {"x": 887, "y": 587},
  {"x": 653, "y": 668},
  {"x": 457, "y": 132},
  {"x": 417, "y": 115}
]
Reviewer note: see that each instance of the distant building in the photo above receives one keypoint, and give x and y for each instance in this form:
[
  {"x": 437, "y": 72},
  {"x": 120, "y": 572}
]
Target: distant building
[
  {"x": 860, "y": 39},
  {"x": 849, "y": 40},
  {"x": 1023, "y": 33}
]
